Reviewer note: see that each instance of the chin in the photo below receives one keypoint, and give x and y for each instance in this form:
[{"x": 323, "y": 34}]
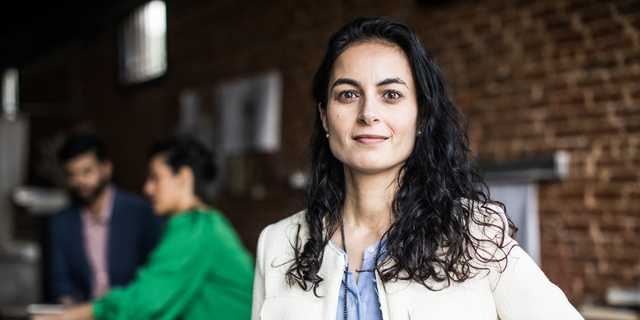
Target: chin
[
  {"x": 373, "y": 167},
  {"x": 160, "y": 211}
]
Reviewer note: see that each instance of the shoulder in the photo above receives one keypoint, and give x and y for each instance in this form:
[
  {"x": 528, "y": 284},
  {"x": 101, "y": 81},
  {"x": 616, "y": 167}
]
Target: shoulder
[
  {"x": 130, "y": 199},
  {"x": 491, "y": 242},
  {"x": 487, "y": 218},
  {"x": 202, "y": 231},
  {"x": 63, "y": 216},
  {"x": 200, "y": 223},
  {"x": 277, "y": 241},
  {"x": 135, "y": 206},
  {"x": 286, "y": 229},
  {"x": 187, "y": 231}
]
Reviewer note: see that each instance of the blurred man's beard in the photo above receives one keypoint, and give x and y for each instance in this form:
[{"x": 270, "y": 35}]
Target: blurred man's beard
[{"x": 92, "y": 197}]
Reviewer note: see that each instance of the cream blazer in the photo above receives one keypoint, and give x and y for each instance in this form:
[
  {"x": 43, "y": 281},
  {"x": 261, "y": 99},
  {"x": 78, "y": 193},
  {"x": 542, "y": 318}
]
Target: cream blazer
[{"x": 520, "y": 292}]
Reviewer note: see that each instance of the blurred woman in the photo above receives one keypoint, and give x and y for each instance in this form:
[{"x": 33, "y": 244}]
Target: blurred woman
[
  {"x": 397, "y": 225},
  {"x": 199, "y": 270}
]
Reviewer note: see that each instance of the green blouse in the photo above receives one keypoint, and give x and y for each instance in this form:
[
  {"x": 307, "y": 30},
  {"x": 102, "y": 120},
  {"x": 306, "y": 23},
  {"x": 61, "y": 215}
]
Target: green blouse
[{"x": 199, "y": 270}]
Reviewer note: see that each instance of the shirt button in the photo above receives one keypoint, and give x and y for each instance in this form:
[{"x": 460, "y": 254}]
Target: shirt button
[
  {"x": 356, "y": 302},
  {"x": 371, "y": 249}
]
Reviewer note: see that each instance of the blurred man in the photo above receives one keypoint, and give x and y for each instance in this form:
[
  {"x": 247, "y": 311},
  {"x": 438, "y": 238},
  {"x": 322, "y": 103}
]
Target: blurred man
[{"x": 99, "y": 241}]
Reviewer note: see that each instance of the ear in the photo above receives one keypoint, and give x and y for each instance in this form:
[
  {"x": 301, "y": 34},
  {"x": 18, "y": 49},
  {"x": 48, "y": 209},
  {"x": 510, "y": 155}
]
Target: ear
[
  {"x": 107, "y": 168},
  {"x": 323, "y": 117},
  {"x": 186, "y": 177}
]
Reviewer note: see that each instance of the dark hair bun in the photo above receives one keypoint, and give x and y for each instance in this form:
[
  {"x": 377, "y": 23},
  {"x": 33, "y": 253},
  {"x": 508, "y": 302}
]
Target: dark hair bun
[{"x": 186, "y": 151}]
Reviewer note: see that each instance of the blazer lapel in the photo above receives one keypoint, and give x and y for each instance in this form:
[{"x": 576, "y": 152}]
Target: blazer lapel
[
  {"x": 78, "y": 249},
  {"x": 332, "y": 271},
  {"x": 114, "y": 223},
  {"x": 382, "y": 297}
]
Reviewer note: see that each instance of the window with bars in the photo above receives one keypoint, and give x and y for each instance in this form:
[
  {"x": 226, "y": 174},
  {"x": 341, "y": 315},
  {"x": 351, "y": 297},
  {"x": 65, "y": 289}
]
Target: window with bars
[
  {"x": 10, "y": 93},
  {"x": 143, "y": 44}
]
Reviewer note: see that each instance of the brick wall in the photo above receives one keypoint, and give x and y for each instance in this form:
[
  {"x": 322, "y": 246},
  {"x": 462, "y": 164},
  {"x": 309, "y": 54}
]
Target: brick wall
[
  {"x": 539, "y": 76},
  {"x": 532, "y": 76}
]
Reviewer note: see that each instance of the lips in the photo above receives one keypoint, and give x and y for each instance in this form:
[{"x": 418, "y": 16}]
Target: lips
[{"x": 370, "y": 139}]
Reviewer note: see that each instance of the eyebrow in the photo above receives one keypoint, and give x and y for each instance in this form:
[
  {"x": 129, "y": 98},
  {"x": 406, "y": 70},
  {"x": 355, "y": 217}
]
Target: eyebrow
[
  {"x": 345, "y": 81},
  {"x": 390, "y": 81},
  {"x": 357, "y": 84}
]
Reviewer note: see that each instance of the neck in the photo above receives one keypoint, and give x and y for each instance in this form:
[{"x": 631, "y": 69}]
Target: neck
[
  {"x": 189, "y": 203},
  {"x": 368, "y": 199},
  {"x": 95, "y": 207}
]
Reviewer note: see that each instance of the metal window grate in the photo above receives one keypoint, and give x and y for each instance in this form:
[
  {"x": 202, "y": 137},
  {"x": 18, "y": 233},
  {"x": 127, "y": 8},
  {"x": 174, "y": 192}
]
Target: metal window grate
[
  {"x": 143, "y": 41},
  {"x": 10, "y": 94}
]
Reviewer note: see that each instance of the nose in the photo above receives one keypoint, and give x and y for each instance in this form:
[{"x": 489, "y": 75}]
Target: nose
[
  {"x": 368, "y": 111},
  {"x": 147, "y": 188},
  {"x": 75, "y": 180}
]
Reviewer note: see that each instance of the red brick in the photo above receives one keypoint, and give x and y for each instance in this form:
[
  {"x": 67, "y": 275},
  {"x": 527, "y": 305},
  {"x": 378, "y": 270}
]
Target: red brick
[
  {"x": 578, "y": 6},
  {"x": 606, "y": 130},
  {"x": 607, "y": 31},
  {"x": 629, "y": 178},
  {"x": 536, "y": 44},
  {"x": 557, "y": 24},
  {"x": 545, "y": 13},
  {"x": 600, "y": 63},
  {"x": 629, "y": 8},
  {"x": 599, "y": 13},
  {"x": 556, "y": 86},
  {"x": 632, "y": 59},
  {"x": 607, "y": 96},
  {"x": 570, "y": 100},
  {"x": 636, "y": 23},
  {"x": 591, "y": 82},
  {"x": 535, "y": 75},
  {"x": 482, "y": 28},
  {"x": 568, "y": 38},
  {"x": 632, "y": 129}
]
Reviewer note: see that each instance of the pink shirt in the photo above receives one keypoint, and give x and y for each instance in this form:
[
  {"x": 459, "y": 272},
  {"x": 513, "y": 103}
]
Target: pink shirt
[{"x": 95, "y": 231}]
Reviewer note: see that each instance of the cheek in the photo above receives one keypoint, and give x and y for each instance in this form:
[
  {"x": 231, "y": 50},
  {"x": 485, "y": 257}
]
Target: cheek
[
  {"x": 160, "y": 191},
  {"x": 339, "y": 125},
  {"x": 165, "y": 193},
  {"x": 407, "y": 122},
  {"x": 93, "y": 177}
]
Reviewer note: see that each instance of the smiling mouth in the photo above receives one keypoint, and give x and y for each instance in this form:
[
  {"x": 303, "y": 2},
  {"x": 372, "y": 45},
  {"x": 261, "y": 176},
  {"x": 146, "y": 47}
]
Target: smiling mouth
[{"x": 370, "y": 139}]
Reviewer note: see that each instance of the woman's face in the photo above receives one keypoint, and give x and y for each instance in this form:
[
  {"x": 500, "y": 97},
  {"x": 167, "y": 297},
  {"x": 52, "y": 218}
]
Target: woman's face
[
  {"x": 371, "y": 113},
  {"x": 163, "y": 187}
]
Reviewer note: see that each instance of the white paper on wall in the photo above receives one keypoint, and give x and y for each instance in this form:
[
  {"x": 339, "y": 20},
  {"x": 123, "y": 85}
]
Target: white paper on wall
[
  {"x": 521, "y": 201},
  {"x": 250, "y": 113}
]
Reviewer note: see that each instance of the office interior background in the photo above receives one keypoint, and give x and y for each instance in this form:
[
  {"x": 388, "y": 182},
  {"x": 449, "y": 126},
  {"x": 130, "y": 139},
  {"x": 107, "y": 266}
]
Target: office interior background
[{"x": 551, "y": 90}]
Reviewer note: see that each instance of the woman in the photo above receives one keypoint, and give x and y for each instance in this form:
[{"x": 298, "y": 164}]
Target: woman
[
  {"x": 396, "y": 225},
  {"x": 199, "y": 270}
]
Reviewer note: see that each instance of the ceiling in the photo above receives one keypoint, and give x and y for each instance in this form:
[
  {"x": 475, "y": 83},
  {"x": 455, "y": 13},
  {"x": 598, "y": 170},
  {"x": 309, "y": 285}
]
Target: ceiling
[{"x": 31, "y": 28}]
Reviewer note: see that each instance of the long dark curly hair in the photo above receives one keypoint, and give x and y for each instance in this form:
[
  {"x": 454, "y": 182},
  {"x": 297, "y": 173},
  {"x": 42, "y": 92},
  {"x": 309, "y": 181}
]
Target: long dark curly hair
[{"x": 440, "y": 186}]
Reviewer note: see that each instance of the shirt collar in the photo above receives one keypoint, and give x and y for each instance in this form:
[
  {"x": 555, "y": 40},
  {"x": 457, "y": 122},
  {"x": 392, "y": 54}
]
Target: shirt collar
[{"x": 105, "y": 211}]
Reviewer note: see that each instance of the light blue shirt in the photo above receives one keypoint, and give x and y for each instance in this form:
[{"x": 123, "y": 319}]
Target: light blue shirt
[{"x": 362, "y": 297}]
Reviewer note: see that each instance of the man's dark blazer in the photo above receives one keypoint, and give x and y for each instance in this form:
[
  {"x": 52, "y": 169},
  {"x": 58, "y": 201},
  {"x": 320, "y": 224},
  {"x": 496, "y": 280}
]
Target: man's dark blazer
[{"x": 134, "y": 231}]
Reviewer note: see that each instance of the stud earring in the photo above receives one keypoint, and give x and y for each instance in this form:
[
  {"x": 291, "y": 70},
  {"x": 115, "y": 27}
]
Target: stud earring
[
  {"x": 327, "y": 136},
  {"x": 419, "y": 132}
]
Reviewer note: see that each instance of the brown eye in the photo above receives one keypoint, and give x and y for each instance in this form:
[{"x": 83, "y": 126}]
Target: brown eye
[
  {"x": 392, "y": 95},
  {"x": 347, "y": 96}
]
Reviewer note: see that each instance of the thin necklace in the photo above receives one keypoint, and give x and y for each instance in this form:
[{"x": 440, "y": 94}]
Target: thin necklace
[{"x": 346, "y": 268}]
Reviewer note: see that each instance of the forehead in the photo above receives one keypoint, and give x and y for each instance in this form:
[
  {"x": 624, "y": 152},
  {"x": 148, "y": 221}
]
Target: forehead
[
  {"x": 157, "y": 163},
  {"x": 82, "y": 160},
  {"x": 372, "y": 61}
]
